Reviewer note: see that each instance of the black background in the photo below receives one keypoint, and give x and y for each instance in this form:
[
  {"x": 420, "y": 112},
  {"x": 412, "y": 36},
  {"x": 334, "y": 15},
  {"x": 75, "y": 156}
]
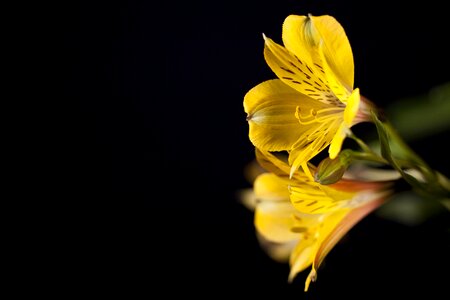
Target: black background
[{"x": 158, "y": 143}]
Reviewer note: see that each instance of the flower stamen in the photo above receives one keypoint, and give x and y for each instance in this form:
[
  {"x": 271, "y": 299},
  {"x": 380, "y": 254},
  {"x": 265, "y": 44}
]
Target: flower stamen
[{"x": 317, "y": 116}]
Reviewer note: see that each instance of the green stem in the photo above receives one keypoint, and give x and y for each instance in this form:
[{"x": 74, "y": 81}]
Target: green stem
[
  {"x": 369, "y": 157},
  {"x": 361, "y": 144}
]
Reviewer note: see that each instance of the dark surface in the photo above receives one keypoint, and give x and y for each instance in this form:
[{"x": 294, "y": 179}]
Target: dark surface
[{"x": 158, "y": 145}]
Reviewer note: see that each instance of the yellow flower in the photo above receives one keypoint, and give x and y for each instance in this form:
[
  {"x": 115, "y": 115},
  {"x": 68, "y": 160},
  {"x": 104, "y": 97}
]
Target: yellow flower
[
  {"x": 302, "y": 220},
  {"x": 313, "y": 104}
]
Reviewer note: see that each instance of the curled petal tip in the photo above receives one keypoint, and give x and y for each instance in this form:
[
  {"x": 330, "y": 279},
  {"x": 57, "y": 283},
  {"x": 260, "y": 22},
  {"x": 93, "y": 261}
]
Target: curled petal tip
[
  {"x": 311, "y": 277},
  {"x": 264, "y": 37}
]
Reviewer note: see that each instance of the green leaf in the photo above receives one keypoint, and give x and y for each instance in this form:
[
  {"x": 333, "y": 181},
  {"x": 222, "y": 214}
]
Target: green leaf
[{"x": 386, "y": 152}]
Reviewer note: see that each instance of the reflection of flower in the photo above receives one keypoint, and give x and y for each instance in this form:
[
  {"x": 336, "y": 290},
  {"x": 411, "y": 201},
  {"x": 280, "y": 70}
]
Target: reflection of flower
[
  {"x": 313, "y": 103},
  {"x": 303, "y": 220}
]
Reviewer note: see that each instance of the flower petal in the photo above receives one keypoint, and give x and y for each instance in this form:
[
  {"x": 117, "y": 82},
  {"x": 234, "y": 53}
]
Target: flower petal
[
  {"x": 352, "y": 108},
  {"x": 300, "y": 38},
  {"x": 339, "y": 88},
  {"x": 269, "y": 187},
  {"x": 247, "y": 198},
  {"x": 302, "y": 257},
  {"x": 296, "y": 73},
  {"x": 337, "y": 49},
  {"x": 280, "y": 252},
  {"x": 274, "y": 214},
  {"x": 309, "y": 198},
  {"x": 274, "y": 221},
  {"x": 303, "y": 254},
  {"x": 270, "y": 108},
  {"x": 338, "y": 139},
  {"x": 338, "y": 225}
]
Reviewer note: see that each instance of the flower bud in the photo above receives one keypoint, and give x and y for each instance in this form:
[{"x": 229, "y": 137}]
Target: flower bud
[{"x": 331, "y": 170}]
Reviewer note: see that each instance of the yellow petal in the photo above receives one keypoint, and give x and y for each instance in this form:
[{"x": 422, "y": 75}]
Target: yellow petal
[
  {"x": 338, "y": 224},
  {"x": 274, "y": 221},
  {"x": 300, "y": 38},
  {"x": 339, "y": 88},
  {"x": 309, "y": 198},
  {"x": 280, "y": 252},
  {"x": 312, "y": 276},
  {"x": 337, "y": 50},
  {"x": 338, "y": 139},
  {"x": 270, "y": 108},
  {"x": 247, "y": 198},
  {"x": 269, "y": 187},
  {"x": 303, "y": 254},
  {"x": 274, "y": 214},
  {"x": 302, "y": 257},
  {"x": 306, "y": 251},
  {"x": 352, "y": 108},
  {"x": 340, "y": 192},
  {"x": 296, "y": 73}
]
